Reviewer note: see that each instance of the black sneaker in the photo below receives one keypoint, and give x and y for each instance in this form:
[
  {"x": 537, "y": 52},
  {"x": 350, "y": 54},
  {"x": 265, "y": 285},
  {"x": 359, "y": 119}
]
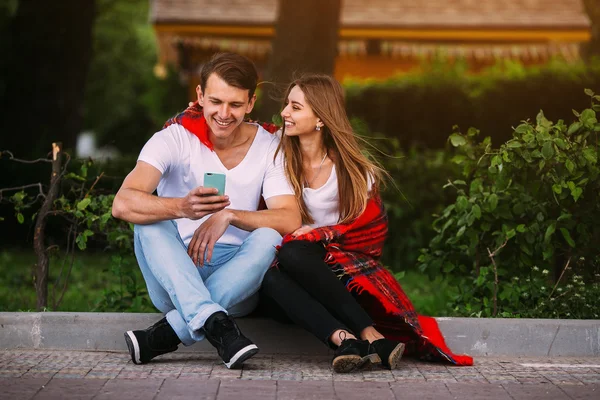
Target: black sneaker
[
  {"x": 233, "y": 347},
  {"x": 353, "y": 354},
  {"x": 158, "y": 339},
  {"x": 389, "y": 351}
]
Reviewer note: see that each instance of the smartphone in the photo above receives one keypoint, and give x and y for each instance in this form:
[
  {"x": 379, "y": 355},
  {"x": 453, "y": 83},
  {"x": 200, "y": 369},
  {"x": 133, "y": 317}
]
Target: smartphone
[{"x": 215, "y": 180}]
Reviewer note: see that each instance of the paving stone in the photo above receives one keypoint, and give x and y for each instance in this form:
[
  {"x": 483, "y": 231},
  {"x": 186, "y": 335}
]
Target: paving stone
[
  {"x": 290, "y": 390},
  {"x": 362, "y": 390},
  {"x": 534, "y": 392},
  {"x": 589, "y": 392},
  {"x": 72, "y": 389},
  {"x": 236, "y": 390},
  {"x": 477, "y": 391},
  {"x": 420, "y": 391},
  {"x": 134, "y": 389},
  {"x": 23, "y": 388},
  {"x": 178, "y": 389}
]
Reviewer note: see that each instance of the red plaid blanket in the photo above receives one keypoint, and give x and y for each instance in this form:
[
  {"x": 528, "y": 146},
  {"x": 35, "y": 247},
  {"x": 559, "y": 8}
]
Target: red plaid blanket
[{"x": 353, "y": 252}]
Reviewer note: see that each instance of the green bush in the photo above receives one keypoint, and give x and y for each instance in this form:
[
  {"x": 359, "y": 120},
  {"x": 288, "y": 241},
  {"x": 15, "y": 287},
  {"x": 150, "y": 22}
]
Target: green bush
[
  {"x": 525, "y": 218},
  {"x": 420, "y": 109}
]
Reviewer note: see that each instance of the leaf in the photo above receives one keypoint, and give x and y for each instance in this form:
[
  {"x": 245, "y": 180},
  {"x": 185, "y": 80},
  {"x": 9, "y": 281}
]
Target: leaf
[
  {"x": 461, "y": 231},
  {"x": 588, "y": 117},
  {"x": 547, "y": 150},
  {"x": 557, "y": 188},
  {"x": 523, "y": 128},
  {"x": 549, "y": 232},
  {"x": 521, "y": 228},
  {"x": 462, "y": 204},
  {"x": 458, "y": 159},
  {"x": 570, "y": 165},
  {"x": 567, "y": 237},
  {"x": 399, "y": 275},
  {"x": 514, "y": 144},
  {"x": 459, "y": 182},
  {"x": 590, "y": 155},
  {"x": 564, "y": 216},
  {"x": 574, "y": 128},
  {"x": 528, "y": 137},
  {"x": 76, "y": 177},
  {"x": 560, "y": 143},
  {"x": 493, "y": 201},
  {"x": 83, "y": 204},
  {"x": 476, "y": 211},
  {"x": 20, "y": 218},
  {"x": 576, "y": 193},
  {"x": 457, "y": 140},
  {"x": 589, "y": 92},
  {"x": 471, "y": 132}
]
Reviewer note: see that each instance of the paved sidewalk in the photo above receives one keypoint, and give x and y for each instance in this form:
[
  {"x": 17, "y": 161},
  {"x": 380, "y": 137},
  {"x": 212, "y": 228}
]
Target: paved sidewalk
[{"x": 37, "y": 374}]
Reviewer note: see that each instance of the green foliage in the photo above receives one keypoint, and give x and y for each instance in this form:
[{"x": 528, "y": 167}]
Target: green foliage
[
  {"x": 125, "y": 103},
  {"x": 88, "y": 216},
  {"x": 419, "y": 109},
  {"x": 412, "y": 195},
  {"x": 530, "y": 204},
  {"x": 95, "y": 283}
]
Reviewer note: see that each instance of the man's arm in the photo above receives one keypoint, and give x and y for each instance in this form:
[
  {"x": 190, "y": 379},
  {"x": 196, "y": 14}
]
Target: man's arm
[
  {"x": 282, "y": 215},
  {"x": 135, "y": 203}
]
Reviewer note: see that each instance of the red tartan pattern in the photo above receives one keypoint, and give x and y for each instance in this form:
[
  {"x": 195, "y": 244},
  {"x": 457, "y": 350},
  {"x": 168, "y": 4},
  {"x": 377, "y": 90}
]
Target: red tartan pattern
[
  {"x": 353, "y": 252},
  {"x": 192, "y": 119}
]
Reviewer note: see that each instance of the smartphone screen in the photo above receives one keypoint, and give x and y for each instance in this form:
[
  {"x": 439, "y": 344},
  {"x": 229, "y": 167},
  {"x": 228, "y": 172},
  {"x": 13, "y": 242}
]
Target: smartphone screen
[{"x": 215, "y": 180}]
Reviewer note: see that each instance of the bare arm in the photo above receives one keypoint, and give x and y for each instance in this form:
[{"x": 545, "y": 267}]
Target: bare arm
[
  {"x": 135, "y": 203},
  {"x": 282, "y": 215}
]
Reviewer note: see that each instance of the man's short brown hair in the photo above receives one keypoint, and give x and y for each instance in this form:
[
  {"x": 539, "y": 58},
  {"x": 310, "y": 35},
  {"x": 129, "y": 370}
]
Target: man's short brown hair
[{"x": 236, "y": 70}]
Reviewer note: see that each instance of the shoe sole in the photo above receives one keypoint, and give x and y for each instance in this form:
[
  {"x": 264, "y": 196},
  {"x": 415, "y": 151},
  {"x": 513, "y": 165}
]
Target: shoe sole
[
  {"x": 133, "y": 346},
  {"x": 396, "y": 355},
  {"x": 349, "y": 363},
  {"x": 238, "y": 359}
]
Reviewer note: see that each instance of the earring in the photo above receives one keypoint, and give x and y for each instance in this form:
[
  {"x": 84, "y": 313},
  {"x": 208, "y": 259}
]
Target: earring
[{"x": 318, "y": 128}]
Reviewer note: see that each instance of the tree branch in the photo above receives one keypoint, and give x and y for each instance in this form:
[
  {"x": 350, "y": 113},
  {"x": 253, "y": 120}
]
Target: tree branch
[
  {"x": 560, "y": 277},
  {"x": 12, "y": 158},
  {"x": 38, "y": 185},
  {"x": 495, "y": 297}
]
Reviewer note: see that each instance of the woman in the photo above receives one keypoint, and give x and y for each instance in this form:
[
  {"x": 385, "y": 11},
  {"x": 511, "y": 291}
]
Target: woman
[{"x": 324, "y": 267}]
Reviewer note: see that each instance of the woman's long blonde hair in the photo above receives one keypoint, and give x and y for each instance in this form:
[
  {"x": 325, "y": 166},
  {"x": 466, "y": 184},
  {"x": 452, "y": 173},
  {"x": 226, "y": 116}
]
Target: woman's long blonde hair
[{"x": 354, "y": 169}]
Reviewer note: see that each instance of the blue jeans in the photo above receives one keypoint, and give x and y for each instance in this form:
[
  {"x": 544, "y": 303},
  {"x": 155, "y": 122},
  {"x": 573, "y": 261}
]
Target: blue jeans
[{"x": 188, "y": 294}]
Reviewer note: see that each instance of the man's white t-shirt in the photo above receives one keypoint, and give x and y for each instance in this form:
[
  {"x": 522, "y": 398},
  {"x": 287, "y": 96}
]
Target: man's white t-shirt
[{"x": 183, "y": 160}]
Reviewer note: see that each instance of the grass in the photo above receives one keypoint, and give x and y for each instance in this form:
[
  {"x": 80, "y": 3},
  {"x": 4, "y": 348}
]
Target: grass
[
  {"x": 98, "y": 282},
  {"x": 429, "y": 297},
  {"x": 95, "y": 284}
]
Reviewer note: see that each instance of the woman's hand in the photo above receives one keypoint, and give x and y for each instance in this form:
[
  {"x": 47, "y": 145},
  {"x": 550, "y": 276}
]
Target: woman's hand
[{"x": 302, "y": 230}]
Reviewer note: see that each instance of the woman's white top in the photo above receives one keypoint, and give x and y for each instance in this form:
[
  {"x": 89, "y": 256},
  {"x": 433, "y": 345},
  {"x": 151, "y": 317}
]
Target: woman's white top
[{"x": 323, "y": 203}]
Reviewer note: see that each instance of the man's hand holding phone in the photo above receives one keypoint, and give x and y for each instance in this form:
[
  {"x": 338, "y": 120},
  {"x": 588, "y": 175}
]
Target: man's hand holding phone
[{"x": 202, "y": 201}]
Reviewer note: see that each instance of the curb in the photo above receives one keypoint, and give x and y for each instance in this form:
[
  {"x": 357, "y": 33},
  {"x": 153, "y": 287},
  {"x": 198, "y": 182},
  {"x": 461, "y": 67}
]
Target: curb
[{"x": 473, "y": 336}]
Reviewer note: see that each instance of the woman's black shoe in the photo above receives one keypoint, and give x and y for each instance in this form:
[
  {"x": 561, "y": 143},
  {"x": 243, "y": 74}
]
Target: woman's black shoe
[
  {"x": 353, "y": 354},
  {"x": 389, "y": 351}
]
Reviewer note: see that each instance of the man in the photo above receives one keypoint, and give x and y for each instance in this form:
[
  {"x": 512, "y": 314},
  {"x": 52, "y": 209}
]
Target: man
[{"x": 203, "y": 255}]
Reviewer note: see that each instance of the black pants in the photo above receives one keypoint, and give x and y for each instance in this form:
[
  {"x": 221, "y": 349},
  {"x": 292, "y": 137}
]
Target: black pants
[{"x": 306, "y": 289}]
